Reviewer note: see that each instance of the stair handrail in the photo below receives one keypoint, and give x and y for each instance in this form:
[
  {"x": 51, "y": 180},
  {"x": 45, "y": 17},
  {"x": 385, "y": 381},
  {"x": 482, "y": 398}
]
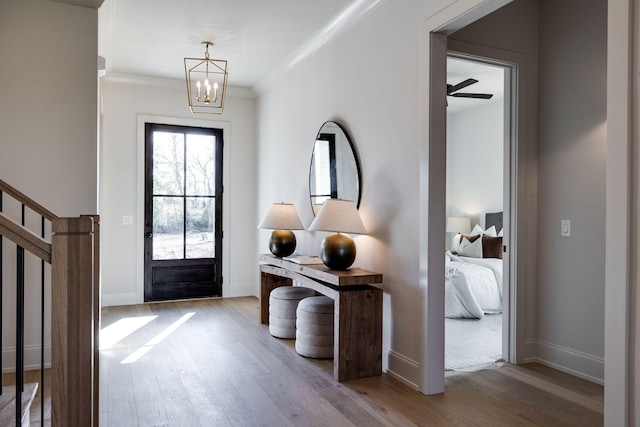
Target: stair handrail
[
  {"x": 25, "y": 238},
  {"x": 27, "y": 201},
  {"x": 73, "y": 254}
]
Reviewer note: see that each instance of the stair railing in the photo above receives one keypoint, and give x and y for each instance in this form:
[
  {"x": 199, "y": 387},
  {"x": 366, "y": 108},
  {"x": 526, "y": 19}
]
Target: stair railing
[{"x": 73, "y": 254}]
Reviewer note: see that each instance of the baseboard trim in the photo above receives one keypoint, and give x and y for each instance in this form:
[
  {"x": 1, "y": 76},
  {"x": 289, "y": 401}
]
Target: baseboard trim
[
  {"x": 124, "y": 298},
  {"x": 31, "y": 358},
  {"x": 573, "y": 362},
  {"x": 577, "y": 363},
  {"x": 402, "y": 368}
]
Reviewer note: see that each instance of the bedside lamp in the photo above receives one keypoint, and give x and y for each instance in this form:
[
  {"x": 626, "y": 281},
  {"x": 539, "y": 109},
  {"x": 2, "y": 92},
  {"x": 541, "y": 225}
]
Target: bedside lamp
[
  {"x": 282, "y": 218},
  {"x": 458, "y": 226},
  {"x": 338, "y": 251}
]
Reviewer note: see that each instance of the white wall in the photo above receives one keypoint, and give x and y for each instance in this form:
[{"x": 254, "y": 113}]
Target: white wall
[
  {"x": 475, "y": 148},
  {"x": 48, "y": 82},
  {"x": 125, "y": 99},
  {"x": 571, "y": 161},
  {"x": 343, "y": 81}
]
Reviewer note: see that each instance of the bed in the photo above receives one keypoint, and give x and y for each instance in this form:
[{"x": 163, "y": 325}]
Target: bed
[{"x": 473, "y": 273}]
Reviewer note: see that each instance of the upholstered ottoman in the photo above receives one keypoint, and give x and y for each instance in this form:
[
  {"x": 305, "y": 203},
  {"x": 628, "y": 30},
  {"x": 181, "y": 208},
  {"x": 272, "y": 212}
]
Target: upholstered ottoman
[
  {"x": 314, "y": 332},
  {"x": 283, "y": 302}
]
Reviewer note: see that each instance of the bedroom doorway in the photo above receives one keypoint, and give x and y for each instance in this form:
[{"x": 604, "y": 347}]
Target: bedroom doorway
[{"x": 479, "y": 138}]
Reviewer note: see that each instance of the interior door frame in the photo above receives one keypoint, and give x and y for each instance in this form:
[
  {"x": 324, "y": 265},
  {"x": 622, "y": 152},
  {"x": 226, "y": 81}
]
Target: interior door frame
[
  {"x": 510, "y": 164},
  {"x": 432, "y": 197},
  {"x": 139, "y": 214}
]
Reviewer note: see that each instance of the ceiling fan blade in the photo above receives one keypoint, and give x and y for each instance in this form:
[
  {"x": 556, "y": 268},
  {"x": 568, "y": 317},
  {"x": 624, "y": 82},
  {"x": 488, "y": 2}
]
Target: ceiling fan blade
[
  {"x": 473, "y": 95},
  {"x": 461, "y": 85}
]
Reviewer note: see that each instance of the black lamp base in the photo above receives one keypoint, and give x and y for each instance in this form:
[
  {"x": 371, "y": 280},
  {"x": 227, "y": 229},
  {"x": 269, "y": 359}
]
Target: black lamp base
[
  {"x": 282, "y": 243},
  {"x": 338, "y": 251}
]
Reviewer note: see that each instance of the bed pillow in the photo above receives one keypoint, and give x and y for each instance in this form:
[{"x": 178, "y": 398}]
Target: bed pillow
[
  {"x": 477, "y": 231},
  {"x": 491, "y": 231},
  {"x": 471, "y": 246},
  {"x": 501, "y": 233},
  {"x": 491, "y": 247}
]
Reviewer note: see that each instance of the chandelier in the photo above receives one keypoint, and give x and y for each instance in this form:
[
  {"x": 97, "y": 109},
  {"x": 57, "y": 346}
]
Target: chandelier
[{"x": 206, "y": 82}]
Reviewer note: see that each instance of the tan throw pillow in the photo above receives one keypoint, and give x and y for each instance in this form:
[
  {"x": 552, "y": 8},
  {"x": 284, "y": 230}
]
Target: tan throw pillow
[{"x": 471, "y": 239}]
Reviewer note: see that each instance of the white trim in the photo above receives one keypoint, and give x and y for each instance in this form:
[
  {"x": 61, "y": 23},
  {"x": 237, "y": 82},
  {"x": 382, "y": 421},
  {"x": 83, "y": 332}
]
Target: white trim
[
  {"x": 226, "y": 173},
  {"x": 402, "y": 368},
  {"x": 571, "y": 361},
  {"x": 165, "y": 83},
  {"x": 120, "y": 298},
  {"x": 450, "y": 18},
  {"x": 31, "y": 358},
  {"x": 620, "y": 256}
]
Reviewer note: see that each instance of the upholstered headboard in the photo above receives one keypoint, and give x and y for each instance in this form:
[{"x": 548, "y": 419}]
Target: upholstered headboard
[{"x": 494, "y": 218}]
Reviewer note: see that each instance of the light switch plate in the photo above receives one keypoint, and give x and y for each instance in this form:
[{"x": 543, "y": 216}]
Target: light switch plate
[
  {"x": 127, "y": 219},
  {"x": 565, "y": 228}
]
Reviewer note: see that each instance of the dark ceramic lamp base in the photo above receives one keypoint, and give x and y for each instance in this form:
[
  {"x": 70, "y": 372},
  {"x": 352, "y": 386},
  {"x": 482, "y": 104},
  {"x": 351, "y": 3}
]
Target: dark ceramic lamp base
[
  {"x": 338, "y": 251},
  {"x": 282, "y": 243}
]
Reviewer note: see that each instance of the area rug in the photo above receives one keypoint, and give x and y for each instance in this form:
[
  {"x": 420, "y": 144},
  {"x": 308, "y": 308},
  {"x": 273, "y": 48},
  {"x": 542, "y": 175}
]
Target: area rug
[{"x": 472, "y": 343}]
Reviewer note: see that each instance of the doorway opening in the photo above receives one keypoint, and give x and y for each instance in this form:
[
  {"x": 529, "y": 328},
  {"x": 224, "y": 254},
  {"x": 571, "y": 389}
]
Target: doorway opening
[
  {"x": 183, "y": 212},
  {"x": 478, "y": 140}
]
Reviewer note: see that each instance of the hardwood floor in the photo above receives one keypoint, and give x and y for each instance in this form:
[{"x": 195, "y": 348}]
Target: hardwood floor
[
  {"x": 9, "y": 381},
  {"x": 220, "y": 367}
]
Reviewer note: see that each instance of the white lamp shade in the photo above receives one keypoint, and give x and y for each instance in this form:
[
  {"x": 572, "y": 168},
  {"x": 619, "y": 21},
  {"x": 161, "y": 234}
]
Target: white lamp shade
[
  {"x": 340, "y": 216},
  {"x": 281, "y": 216},
  {"x": 458, "y": 225}
]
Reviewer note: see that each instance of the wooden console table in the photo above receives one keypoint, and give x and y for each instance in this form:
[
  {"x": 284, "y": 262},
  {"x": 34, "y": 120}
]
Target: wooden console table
[{"x": 357, "y": 296}]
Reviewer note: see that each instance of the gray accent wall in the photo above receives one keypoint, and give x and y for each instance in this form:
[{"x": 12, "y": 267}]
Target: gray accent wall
[
  {"x": 572, "y": 144},
  {"x": 565, "y": 300}
]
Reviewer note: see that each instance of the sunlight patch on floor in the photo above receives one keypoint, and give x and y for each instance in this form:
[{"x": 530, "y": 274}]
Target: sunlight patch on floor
[
  {"x": 117, "y": 331},
  {"x": 157, "y": 339}
]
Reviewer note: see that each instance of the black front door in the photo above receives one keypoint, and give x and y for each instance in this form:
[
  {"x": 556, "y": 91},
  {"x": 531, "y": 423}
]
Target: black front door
[{"x": 183, "y": 212}]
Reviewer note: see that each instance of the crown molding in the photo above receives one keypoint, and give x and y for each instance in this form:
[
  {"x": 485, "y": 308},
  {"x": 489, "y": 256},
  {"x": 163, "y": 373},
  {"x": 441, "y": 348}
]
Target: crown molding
[
  {"x": 165, "y": 83},
  {"x": 86, "y": 3}
]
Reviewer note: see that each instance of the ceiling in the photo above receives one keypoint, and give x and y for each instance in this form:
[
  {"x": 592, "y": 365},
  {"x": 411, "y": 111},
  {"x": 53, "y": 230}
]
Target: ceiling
[
  {"x": 152, "y": 37},
  {"x": 490, "y": 80}
]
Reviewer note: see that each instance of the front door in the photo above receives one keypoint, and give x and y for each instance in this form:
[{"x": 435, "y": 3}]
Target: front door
[{"x": 183, "y": 212}]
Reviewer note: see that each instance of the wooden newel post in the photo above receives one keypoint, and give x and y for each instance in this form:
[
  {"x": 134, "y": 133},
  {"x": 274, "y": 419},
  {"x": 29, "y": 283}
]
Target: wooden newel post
[{"x": 72, "y": 300}]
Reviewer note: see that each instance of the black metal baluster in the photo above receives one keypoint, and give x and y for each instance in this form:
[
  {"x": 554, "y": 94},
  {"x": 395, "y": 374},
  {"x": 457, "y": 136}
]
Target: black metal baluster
[
  {"x": 42, "y": 330},
  {"x": 19, "y": 334}
]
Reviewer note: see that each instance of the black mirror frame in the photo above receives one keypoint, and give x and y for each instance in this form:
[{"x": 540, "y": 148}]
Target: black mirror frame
[{"x": 355, "y": 156}]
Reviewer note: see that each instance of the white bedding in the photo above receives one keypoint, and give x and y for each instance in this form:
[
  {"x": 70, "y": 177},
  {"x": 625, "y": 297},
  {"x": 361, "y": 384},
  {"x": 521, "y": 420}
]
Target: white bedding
[{"x": 473, "y": 286}]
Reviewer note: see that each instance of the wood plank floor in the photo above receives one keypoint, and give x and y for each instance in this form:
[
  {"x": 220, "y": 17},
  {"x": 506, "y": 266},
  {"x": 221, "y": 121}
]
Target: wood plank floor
[
  {"x": 9, "y": 381},
  {"x": 220, "y": 367}
]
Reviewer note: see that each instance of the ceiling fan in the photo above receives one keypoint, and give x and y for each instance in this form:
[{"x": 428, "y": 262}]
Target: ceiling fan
[{"x": 455, "y": 88}]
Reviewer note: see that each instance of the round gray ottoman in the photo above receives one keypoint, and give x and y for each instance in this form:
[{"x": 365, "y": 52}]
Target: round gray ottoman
[
  {"x": 283, "y": 302},
  {"x": 314, "y": 334}
]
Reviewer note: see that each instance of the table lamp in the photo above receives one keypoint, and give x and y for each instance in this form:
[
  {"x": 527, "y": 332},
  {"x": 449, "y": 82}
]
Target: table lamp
[
  {"x": 282, "y": 218},
  {"x": 458, "y": 226},
  {"x": 338, "y": 251}
]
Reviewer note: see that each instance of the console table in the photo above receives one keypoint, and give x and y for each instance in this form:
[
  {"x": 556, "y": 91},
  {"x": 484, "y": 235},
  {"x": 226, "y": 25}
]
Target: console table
[{"x": 357, "y": 296}]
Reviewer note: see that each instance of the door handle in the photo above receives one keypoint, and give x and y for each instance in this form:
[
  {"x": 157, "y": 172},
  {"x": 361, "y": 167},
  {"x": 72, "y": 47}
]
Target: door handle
[{"x": 148, "y": 234}]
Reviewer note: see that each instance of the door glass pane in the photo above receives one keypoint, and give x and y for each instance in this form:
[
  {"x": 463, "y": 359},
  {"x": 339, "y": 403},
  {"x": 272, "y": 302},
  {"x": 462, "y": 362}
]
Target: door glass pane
[
  {"x": 201, "y": 165},
  {"x": 168, "y": 163},
  {"x": 168, "y": 222},
  {"x": 200, "y": 219}
]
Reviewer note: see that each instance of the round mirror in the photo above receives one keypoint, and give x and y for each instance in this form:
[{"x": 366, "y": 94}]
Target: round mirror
[{"x": 334, "y": 171}]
